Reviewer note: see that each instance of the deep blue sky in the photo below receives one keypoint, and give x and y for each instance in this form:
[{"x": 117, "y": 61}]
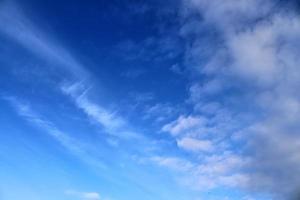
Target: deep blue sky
[{"x": 125, "y": 100}]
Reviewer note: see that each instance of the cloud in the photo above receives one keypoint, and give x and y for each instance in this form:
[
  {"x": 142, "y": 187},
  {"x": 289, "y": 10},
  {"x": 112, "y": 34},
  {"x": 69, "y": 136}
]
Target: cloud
[
  {"x": 160, "y": 111},
  {"x": 259, "y": 53},
  {"x": 110, "y": 121},
  {"x": 24, "y": 110},
  {"x": 84, "y": 195},
  {"x": 195, "y": 145},
  {"x": 223, "y": 170},
  {"x": 183, "y": 124},
  {"x": 230, "y": 15},
  {"x": 173, "y": 163},
  {"x": 177, "y": 69},
  {"x": 210, "y": 121},
  {"x": 18, "y": 27},
  {"x": 252, "y": 70},
  {"x": 74, "y": 146},
  {"x": 78, "y": 92},
  {"x": 214, "y": 171},
  {"x": 247, "y": 66}
]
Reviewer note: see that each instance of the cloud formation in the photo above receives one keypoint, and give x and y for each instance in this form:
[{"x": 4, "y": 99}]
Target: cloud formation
[
  {"x": 71, "y": 144},
  {"x": 253, "y": 69},
  {"x": 195, "y": 145},
  {"x": 110, "y": 121},
  {"x": 243, "y": 130},
  {"x": 184, "y": 124},
  {"x": 84, "y": 195},
  {"x": 18, "y": 27}
]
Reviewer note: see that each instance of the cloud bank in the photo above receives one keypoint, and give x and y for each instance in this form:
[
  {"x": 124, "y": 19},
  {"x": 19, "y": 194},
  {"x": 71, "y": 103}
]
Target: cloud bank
[{"x": 251, "y": 68}]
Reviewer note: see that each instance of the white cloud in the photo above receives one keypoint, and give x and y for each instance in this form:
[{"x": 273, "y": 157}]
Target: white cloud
[
  {"x": 184, "y": 124},
  {"x": 91, "y": 196},
  {"x": 221, "y": 164},
  {"x": 173, "y": 163},
  {"x": 24, "y": 110},
  {"x": 229, "y": 15},
  {"x": 256, "y": 64},
  {"x": 214, "y": 171},
  {"x": 73, "y": 145},
  {"x": 84, "y": 195},
  {"x": 220, "y": 170},
  {"x": 258, "y": 50},
  {"x": 160, "y": 111},
  {"x": 195, "y": 145},
  {"x": 17, "y": 26},
  {"x": 258, "y": 53},
  {"x": 203, "y": 90},
  {"x": 112, "y": 123}
]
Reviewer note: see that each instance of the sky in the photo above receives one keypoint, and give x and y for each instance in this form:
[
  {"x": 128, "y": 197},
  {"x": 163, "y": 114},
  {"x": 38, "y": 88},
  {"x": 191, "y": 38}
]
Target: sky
[{"x": 152, "y": 100}]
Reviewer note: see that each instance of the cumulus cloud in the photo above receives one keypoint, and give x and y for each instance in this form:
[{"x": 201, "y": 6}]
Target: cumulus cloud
[{"x": 253, "y": 70}]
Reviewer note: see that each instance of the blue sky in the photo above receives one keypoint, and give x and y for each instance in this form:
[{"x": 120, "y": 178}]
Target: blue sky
[{"x": 164, "y": 100}]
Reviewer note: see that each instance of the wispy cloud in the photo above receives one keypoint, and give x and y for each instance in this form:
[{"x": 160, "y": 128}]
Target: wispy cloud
[
  {"x": 18, "y": 27},
  {"x": 84, "y": 195},
  {"x": 195, "y": 145},
  {"x": 173, "y": 163},
  {"x": 184, "y": 125},
  {"x": 214, "y": 171},
  {"x": 110, "y": 121},
  {"x": 248, "y": 85},
  {"x": 71, "y": 144}
]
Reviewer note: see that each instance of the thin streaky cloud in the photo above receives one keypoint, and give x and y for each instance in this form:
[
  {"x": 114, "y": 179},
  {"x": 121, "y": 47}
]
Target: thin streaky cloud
[
  {"x": 73, "y": 145},
  {"x": 18, "y": 27},
  {"x": 112, "y": 123},
  {"x": 84, "y": 195}
]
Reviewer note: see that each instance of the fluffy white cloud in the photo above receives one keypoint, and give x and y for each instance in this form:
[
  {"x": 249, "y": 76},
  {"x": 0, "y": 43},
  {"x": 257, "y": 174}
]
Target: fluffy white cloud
[
  {"x": 256, "y": 66},
  {"x": 260, "y": 54}
]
